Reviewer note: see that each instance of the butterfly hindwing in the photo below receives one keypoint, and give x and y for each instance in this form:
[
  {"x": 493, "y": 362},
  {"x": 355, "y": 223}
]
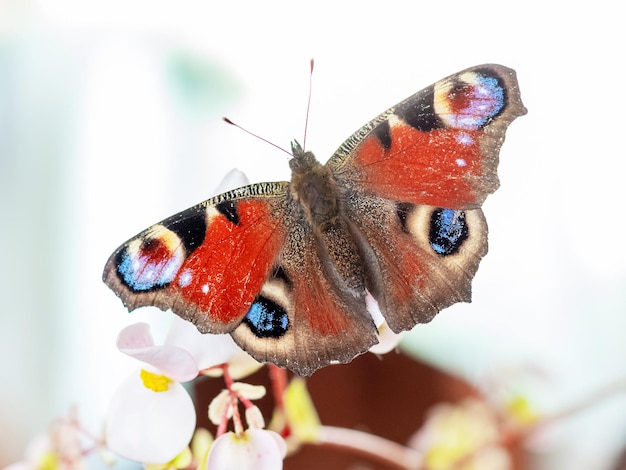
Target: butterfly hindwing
[
  {"x": 423, "y": 258},
  {"x": 302, "y": 319},
  {"x": 206, "y": 263}
]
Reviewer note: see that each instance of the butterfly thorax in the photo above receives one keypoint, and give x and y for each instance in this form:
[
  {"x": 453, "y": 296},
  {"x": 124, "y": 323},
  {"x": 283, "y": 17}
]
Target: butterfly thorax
[{"x": 313, "y": 187}]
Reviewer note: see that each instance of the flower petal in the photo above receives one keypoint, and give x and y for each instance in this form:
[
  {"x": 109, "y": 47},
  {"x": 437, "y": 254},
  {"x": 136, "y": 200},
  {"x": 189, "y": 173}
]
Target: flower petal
[
  {"x": 21, "y": 466},
  {"x": 148, "y": 426},
  {"x": 387, "y": 339},
  {"x": 220, "y": 407},
  {"x": 374, "y": 309},
  {"x": 136, "y": 336},
  {"x": 207, "y": 350},
  {"x": 183, "y": 459},
  {"x": 249, "y": 391},
  {"x": 254, "y": 417},
  {"x": 460, "y": 431},
  {"x": 257, "y": 449},
  {"x": 200, "y": 444},
  {"x": 242, "y": 365},
  {"x": 233, "y": 179},
  {"x": 173, "y": 361},
  {"x": 38, "y": 448}
]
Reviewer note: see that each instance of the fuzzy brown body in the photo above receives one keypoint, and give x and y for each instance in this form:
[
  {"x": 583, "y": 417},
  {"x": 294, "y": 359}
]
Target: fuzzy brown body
[{"x": 314, "y": 189}]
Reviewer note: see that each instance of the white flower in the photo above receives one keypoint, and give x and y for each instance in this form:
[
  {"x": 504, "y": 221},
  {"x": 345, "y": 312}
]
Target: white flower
[
  {"x": 152, "y": 417},
  {"x": 254, "y": 449},
  {"x": 464, "y": 435},
  {"x": 60, "y": 448}
]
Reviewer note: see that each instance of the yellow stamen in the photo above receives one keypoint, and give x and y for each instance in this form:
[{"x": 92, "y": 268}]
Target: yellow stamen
[
  {"x": 48, "y": 461},
  {"x": 155, "y": 382},
  {"x": 521, "y": 410}
]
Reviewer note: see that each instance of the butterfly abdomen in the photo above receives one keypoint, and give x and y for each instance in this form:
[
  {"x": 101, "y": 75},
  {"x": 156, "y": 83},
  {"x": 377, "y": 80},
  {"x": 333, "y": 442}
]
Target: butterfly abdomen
[{"x": 319, "y": 198}]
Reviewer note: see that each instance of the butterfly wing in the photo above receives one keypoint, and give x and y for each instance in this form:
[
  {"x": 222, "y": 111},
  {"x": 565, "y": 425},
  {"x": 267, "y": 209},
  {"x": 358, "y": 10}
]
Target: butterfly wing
[
  {"x": 245, "y": 262},
  {"x": 438, "y": 147},
  {"x": 300, "y": 319},
  {"x": 420, "y": 258},
  {"x": 415, "y": 177},
  {"x": 206, "y": 263}
]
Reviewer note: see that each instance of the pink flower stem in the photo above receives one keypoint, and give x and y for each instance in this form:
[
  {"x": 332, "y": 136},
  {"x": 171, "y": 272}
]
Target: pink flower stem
[
  {"x": 234, "y": 399},
  {"x": 227, "y": 378},
  {"x": 373, "y": 447},
  {"x": 246, "y": 403},
  {"x": 600, "y": 395},
  {"x": 221, "y": 429},
  {"x": 236, "y": 415},
  {"x": 279, "y": 381},
  {"x": 278, "y": 376}
]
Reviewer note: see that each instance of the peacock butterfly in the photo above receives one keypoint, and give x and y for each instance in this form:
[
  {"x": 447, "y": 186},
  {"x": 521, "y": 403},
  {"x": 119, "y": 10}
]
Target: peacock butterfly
[{"x": 285, "y": 267}]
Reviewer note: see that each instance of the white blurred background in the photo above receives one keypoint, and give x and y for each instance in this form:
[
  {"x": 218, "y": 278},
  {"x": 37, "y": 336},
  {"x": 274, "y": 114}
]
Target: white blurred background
[{"x": 110, "y": 121}]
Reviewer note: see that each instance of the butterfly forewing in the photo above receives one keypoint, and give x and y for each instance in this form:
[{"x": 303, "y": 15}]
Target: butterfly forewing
[
  {"x": 206, "y": 263},
  {"x": 438, "y": 147}
]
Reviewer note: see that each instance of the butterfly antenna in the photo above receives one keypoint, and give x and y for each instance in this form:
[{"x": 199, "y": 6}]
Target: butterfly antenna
[
  {"x": 225, "y": 119},
  {"x": 308, "y": 106}
]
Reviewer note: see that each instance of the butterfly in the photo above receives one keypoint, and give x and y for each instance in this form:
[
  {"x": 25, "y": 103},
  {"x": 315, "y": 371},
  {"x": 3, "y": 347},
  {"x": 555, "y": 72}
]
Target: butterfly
[{"x": 285, "y": 267}]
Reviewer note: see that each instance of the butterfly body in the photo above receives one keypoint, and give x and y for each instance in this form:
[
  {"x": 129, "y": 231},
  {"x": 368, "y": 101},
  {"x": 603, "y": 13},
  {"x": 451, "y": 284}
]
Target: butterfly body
[{"x": 286, "y": 267}]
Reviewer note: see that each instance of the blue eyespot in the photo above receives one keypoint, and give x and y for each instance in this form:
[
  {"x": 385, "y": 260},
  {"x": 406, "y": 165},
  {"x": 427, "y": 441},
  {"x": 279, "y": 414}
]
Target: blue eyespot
[
  {"x": 471, "y": 101},
  {"x": 267, "y": 319},
  {"x": 142, "y": 272},
  {"x": 448, "y": 231},
  {"x": 487, "y": 100}
]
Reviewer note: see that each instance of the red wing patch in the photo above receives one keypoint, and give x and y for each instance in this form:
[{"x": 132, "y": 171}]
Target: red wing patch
[
  {"x": 207, "y": 263},
  {"x": 438, "y": 147},
  {"x": 438, "y": 168},
  {"x": 224, "y": 274}
]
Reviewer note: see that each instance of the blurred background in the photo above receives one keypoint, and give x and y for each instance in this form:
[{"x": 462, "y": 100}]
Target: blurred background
[{"x": 110, "y": 120}]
